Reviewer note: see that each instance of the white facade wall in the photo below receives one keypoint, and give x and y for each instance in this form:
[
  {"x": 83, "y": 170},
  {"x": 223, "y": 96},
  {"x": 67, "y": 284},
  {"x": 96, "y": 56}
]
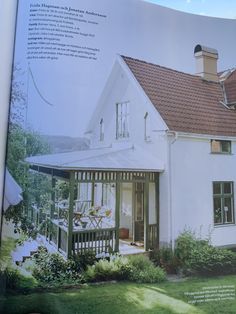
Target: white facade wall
[
  {"x": 120, "y": 87},
  {"x": 193, "y": 170},
  {"x": 186, "y": 185}
]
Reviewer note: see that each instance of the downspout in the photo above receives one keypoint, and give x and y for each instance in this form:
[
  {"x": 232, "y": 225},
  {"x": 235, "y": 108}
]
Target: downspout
[{"x": 171, "y": 142}]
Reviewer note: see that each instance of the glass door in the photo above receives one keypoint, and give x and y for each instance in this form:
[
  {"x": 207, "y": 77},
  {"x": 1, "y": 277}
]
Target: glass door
[{"x": 139, "y": 211}]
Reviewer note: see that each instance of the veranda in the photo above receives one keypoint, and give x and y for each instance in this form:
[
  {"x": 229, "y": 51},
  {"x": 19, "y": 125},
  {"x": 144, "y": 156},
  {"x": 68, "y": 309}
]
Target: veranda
[{"x": 93, "y": 217}]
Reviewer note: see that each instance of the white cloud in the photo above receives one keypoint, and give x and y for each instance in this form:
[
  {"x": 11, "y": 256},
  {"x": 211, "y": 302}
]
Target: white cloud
[{"x": 188, "y": 1}]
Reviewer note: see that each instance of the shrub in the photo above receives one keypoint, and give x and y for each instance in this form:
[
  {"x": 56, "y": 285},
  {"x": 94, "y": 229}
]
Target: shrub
[
  {"x": 185, "y": 244},
  {"x": 102, "y": 270},
  {"x": 197, "y": 256},
  {"x": 52, "y": 268},
  {"x": 48, "y": 267},
  {"x": 135, "y": 268},
  {"x": 210, "y": 260},
  {"x": 166, "y": 258},
  {"x": 81, "y": 262},
  {"x": 140, "y": 262},
  {"x": 144, "y": 271},
  {"x": 151, "y": 274},
  {"x": 14, "y": 280}
]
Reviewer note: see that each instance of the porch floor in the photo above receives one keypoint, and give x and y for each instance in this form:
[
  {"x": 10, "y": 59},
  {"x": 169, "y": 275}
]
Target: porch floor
[
  {"x": 31, "y": 246},
  {"x": 126, "y": 248}
]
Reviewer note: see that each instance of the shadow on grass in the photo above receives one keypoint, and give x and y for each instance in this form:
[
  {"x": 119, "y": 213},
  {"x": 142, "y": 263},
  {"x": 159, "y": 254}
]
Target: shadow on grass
[
  {"x": 118, "y": 298},
  {"x": 153, "y": 298}
]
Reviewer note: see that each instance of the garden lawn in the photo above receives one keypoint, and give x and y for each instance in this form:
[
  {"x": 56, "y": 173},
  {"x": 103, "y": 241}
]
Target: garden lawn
[{"x": 164, "y": 298}]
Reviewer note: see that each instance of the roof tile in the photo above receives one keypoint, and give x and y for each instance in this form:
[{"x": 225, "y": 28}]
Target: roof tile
[
  {"x": 186, "y": 102},
  {"x": 230, "y": 87}
]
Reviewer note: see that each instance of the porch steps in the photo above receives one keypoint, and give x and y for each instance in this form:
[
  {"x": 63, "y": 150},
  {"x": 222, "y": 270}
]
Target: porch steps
[{"x": 25, "y": 251}]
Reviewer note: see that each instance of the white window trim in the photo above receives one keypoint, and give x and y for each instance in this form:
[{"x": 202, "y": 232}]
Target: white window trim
[{"x": 122, "y": 121}]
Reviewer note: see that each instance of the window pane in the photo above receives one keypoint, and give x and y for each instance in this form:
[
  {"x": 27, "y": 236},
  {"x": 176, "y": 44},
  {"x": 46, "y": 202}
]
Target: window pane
[
  {"x": 228, "y": 213},
  {"x": 226, "y": 146},
  {"x": 215, "y": 146},
  {"x": 216, "y": 188},
  {"x": 217, "y": 211},
  {"x": 227, "y": 188},
  {"x": 139, "y": 200},
  {"x": 218, "y": 146},
  {"x": 119, "y": 109},
  {"x": 122, "y": 120}
]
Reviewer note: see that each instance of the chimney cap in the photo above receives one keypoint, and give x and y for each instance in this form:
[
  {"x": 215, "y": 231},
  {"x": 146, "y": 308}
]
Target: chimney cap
[{"x": 200, "y": 48}]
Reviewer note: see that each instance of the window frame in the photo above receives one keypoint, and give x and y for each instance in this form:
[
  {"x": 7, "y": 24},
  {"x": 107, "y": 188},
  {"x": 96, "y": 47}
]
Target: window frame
[
  {"x": 222, "y": 196},
  {"x": 221, "y": 142},
  {"x": 122, "y": 120},
  {"x": 101, "y": 130},
  {"x": 147, "y": 131}
]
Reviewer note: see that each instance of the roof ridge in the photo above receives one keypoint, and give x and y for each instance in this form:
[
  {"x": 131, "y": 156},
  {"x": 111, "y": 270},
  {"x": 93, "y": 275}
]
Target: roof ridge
[
  {"x": 166, "y": 68},
  {"x": 178, "y": 71}
]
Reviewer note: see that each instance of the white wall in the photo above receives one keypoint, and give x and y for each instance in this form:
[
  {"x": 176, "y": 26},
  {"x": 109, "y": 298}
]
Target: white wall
[
  {"x": 120, "y": 87},
  {"x": 194, "y": 169}
]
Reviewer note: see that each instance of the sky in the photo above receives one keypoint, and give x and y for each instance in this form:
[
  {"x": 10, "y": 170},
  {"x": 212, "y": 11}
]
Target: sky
[{"x": 216, "y": 8}]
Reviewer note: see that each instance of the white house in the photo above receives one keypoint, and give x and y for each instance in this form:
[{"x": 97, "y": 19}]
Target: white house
[{"x": 162, "y": 153}]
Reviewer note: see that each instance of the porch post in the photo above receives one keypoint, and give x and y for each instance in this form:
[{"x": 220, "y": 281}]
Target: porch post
[
  {"x": 117, "y": 211},
  {"x": 157, "y": 208},
  {"x": 52, "y": 208},
  {"x": 93, "y": 193},
  {"x": 70, "y": 213},
  {"x": 146, "y": 212}
]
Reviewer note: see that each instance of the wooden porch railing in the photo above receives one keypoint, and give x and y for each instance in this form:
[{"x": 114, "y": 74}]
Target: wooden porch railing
[
  {"x": 153, "y": 236},
  {"x": 99, "y": 241}
]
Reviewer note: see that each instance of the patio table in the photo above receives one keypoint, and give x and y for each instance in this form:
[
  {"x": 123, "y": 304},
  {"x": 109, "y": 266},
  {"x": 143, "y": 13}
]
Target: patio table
[{"x": 96, "y": 221}]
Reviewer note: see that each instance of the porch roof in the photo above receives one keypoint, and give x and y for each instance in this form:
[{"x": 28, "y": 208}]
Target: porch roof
[{"x": 114, "y": 159}]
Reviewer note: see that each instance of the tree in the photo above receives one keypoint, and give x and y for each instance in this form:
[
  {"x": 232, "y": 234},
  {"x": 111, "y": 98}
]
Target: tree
[{"x": 23, "y": 143}]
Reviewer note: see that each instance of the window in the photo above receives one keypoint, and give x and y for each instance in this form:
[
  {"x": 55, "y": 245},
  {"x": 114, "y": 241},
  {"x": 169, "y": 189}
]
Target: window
[
  {"x": 220, "y": 147},
  {"x": 107, "y": 194},
  {"x": 147, "y": 131},
  {"x": 223, "y": 198},
  {"x": 101, "y": 137},
  {"x": 122, "y": 120},
  {"x": 139, "y": 201}
]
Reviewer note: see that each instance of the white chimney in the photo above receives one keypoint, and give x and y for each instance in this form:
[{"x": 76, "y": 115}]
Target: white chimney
[{"x": 206, "y": 63}]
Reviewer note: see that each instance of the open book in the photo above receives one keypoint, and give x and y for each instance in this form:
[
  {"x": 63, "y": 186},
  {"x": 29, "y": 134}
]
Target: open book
[{"x": 122, "y": 128}]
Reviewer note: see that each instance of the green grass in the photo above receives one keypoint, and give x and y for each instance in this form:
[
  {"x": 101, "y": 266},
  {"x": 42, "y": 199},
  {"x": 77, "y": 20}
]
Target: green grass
[{"x": 164, "y": 298}]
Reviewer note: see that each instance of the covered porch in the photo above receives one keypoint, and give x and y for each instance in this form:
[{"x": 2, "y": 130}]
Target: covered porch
[{"x": 104, "y": 210}]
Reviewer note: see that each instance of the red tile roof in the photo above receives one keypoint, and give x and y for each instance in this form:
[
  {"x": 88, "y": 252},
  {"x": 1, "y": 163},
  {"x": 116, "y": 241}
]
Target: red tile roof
[
  {"x": 230, "y": 88},
  {"x": 186, "y": 102}
]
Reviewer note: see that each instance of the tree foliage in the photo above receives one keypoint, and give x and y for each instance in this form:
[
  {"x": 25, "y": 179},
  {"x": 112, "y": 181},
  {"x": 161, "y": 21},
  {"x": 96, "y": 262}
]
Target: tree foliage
[{"x": 23, "y": 143}]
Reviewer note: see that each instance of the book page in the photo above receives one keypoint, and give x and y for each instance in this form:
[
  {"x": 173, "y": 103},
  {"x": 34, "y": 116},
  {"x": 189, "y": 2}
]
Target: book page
[
  {"x": 122, "y": 140},
  {"x": 7, "y": 35}
]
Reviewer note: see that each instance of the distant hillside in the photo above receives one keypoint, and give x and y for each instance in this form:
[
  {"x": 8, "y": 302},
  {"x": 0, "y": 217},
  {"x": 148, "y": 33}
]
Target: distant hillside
[{"x": 61, "y": 144}]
